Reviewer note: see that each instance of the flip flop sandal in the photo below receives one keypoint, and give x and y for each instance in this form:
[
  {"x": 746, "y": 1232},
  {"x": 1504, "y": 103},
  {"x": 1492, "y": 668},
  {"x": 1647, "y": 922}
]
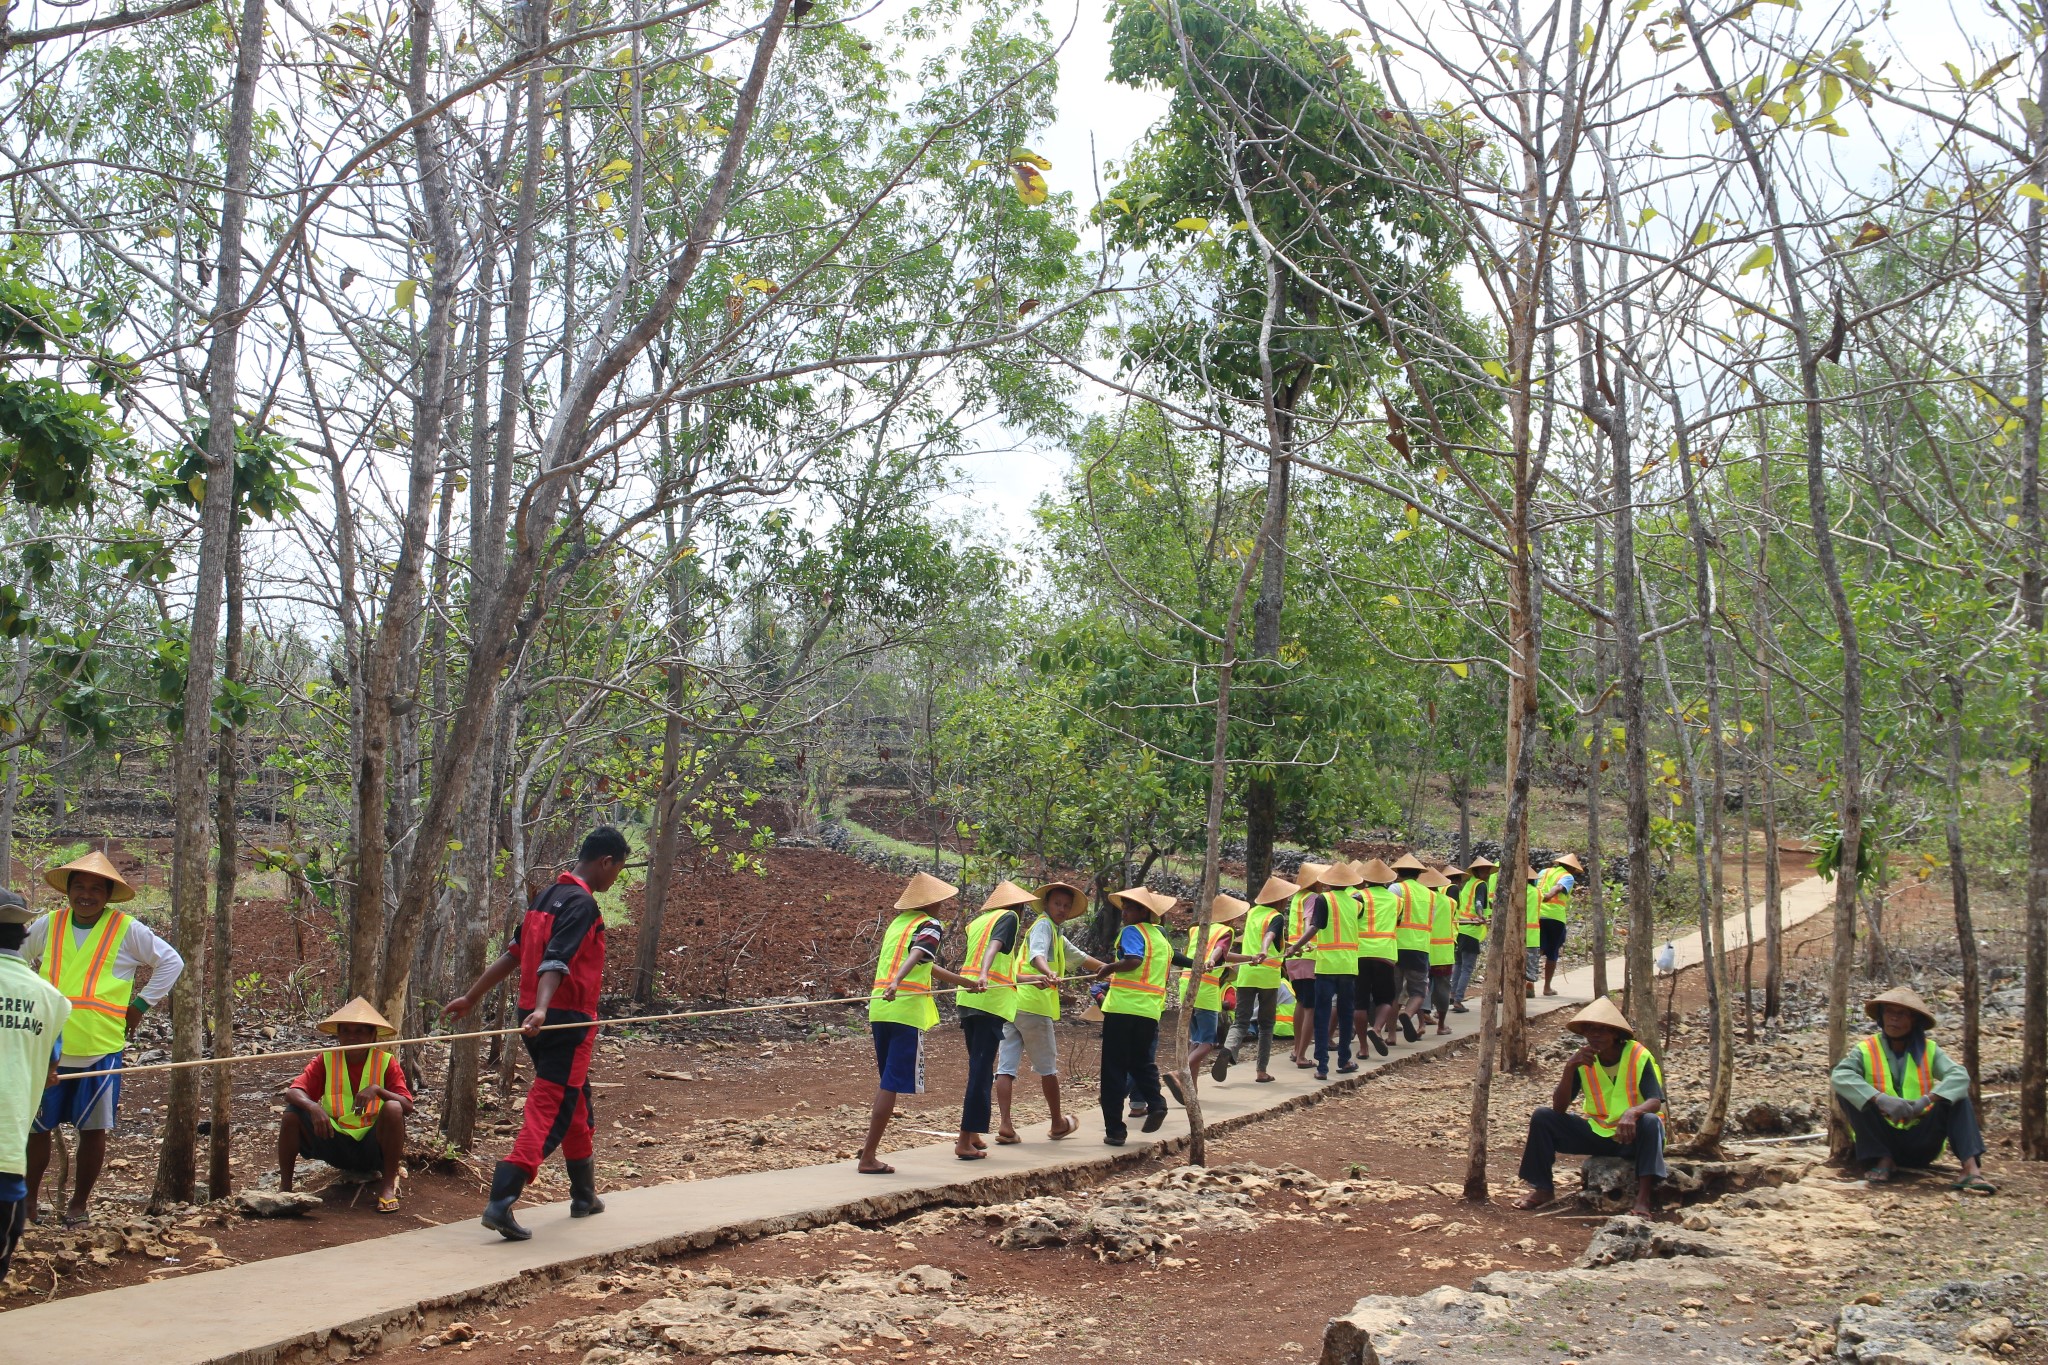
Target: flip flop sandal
[
  {"x": 387, "y": 1203},
  {"x": 970, "y": 1156},
  {"x": 879, "y": 1170},
  {"x": 1974, "y": 1184},
  {"x": 1071, "y": 1126},
  {"x": 77, "y": 1220},
  {"x": 1264, "y": 1080},
  {"x": 1010, "y": 1141},
  {"x": 1877, "y": 1176},
  {"x": 1172, "y": 1084}
]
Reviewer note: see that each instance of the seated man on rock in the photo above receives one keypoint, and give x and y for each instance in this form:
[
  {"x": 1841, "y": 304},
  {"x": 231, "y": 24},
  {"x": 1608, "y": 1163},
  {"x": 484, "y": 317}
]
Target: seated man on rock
[
  {"x": 1624, "y": 1090},
  {"x": 348, "y": 1107},
  {"x": 1905, "y": 1098}
]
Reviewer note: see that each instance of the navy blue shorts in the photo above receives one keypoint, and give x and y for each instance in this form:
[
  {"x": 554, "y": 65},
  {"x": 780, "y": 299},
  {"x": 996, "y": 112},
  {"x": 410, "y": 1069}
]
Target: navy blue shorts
[
  {"x": 86, "y": 1097},
  {"x": 1551, "y": 932},
  {"x": 899, "y": 1056}
]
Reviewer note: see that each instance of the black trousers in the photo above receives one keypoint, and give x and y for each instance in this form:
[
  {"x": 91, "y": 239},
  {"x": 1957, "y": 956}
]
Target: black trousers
[
  {"x": 1338, "y": 996},
  {"x": 1265, "y": 999},
  {"x": 13, "y": 1219},
  {"x": 1551, "y": 1133},
  {"x": 1948, "y": 1123},
  {"x": 1130, "y": 1068},
  {"x": 984, "y": 1033}
]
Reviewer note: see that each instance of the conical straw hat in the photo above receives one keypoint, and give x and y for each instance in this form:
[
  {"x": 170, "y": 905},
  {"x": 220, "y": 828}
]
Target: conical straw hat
[
  {"x": 1376, "y": 872},
  {"x": 1007, "y": 894},
  {"x": 1432, "y": 878},
  {"x": 1311, "y": 875},
  {"x": 1571, "y": 860},
  {"x": 1898, "y": 995},
  {"x": 1145, "y": 898},
  {"x": 1277, "y": 891},
  {"x": 1227, "y": 909},
  {"x": 358, "y": 1011},
  {"x": 1408, "y": 862},
  {"x": 925, "y": 889},
  {"x": 1482, "y": 864},
  {"x": 1341, "y": 874},
  {"x": 1602, "y": 1011},
  {"x": 96, "y": 863},
  {"x": 1453, "y": 870},
  {"x": 1080, "y": 897}
]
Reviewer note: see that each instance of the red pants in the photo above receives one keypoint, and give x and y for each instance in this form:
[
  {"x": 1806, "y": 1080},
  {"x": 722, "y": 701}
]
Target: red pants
[{"x": 558, "y": 1107}]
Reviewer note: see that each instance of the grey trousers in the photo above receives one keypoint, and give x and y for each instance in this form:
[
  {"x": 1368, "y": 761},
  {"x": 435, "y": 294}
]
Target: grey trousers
[{"x": 1267, "y": 1000}]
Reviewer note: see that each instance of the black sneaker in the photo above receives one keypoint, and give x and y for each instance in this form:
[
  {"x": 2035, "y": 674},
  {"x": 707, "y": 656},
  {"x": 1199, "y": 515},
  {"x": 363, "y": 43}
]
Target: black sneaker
[
  {"x": 1172, "y": 1084},
  {"x": 1153, "y": 1119}
]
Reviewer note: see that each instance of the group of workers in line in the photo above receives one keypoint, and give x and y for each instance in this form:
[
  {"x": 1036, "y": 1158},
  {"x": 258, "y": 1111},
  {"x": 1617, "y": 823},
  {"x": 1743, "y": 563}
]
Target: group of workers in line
[{"x": 1340, "y": 951}]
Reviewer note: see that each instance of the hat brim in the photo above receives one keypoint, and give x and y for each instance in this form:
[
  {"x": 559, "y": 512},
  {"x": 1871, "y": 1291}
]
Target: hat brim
[
  {"x": 1874, "y": 1010},
  {"x": 332, "y": 1028},
  {"x": 59, "y": 879}
]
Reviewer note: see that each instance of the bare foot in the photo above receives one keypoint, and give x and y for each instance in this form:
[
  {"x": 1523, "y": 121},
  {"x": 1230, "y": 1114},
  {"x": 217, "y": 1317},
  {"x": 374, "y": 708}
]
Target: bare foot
[
  {"x": 1008, "y": 1137},
  {"x": 1643, "y": 1211},
  {"x": 1442, "y": 1029}
]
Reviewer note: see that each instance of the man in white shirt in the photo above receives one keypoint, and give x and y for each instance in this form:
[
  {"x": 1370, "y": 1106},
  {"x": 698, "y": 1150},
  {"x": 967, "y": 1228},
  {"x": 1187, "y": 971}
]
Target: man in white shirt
[
  {"x": 1046, "y": 958},
  {"x": 32, "y": 1016},
  {"x": 112, "y": 969}
]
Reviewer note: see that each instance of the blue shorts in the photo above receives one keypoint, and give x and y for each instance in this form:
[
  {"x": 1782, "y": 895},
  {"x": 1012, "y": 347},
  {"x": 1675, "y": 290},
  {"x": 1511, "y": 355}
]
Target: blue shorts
[
  {"x": 1550, "y": 935},
  {"x": 899, "y": 1056},
  {"x": 1206, "y": 1027},
  {"x": 86, "y": 1097}
]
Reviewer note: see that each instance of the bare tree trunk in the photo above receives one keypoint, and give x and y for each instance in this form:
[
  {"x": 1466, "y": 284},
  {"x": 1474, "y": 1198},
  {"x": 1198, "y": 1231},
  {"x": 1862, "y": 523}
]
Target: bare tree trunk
[
  {"x": 1767, "y": 746},
  {"x": 2034, "y": 1030},
  {"x": 1596, "y": 759},
  {"x": 1261, "y": 799},
  {"x": 175, "y": 1159},
  {"x": 1959, "y": 888},
  {"x": 219, "y": 1178}
]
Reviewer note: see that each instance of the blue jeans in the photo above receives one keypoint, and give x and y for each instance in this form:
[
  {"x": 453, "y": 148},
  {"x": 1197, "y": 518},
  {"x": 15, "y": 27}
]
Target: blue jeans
[
  {"x": 1338, "y": 995},
  {"x": 1463, "y": 965}
]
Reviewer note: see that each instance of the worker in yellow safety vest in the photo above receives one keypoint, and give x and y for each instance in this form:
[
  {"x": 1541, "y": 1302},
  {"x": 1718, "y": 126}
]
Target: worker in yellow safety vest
[
  {"x": 900, "y": 1003},
  {"x": 113, "y": 970},
  {"x": 1329, "y": 914},
  {"x": 1554, "y": 887},
  {"x": 1623, "y": 1089},
  {"x": 1131, "y": 1008},
  {"x": 348, "y": 1107},
  {"x": 1202, "y": 986},
  {"x": 1379, "y": 972},
  {"x": 1905, "y": 1098},
  {"x": 987, "y": 1006},
  {"x": 1042, "y": 964},
  {"x": 1469, "y": 893},
  {"x": 1261, "y": 944},
  {"x": 1415, "y": 905},
  {"x": 1443, "y": 912}
]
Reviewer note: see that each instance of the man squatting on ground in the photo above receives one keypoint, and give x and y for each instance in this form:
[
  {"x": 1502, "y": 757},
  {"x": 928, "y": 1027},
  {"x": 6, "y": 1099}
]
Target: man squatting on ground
[
  {"x": 112, "y": 969},
  {"x": 558, "y": 951},
  {"x": 32, "y": 1018},
  {"x": 1047, "y": 955},
  {"x": 348, "y": 1107},
  {"x": 1905, "y": 1098},
  {"x": 1624, "y": 1092}
]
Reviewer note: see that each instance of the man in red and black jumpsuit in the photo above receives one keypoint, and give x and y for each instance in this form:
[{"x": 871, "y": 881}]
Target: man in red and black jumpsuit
[{"x": 558, "y": 951}]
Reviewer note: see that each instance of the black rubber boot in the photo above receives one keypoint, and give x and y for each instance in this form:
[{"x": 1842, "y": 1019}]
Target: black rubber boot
[
  {"x": 583, "y": 1200},
  {"x": 506, "y": 1184}
]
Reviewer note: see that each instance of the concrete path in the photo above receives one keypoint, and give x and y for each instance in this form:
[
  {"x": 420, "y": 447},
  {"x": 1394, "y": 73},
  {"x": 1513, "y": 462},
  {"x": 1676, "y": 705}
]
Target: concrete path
[{"x": 328, "y": 1303}]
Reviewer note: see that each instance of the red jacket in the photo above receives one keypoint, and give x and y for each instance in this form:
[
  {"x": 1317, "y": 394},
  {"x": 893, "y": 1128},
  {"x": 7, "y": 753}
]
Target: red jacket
[{"x": 562, "y": 932}]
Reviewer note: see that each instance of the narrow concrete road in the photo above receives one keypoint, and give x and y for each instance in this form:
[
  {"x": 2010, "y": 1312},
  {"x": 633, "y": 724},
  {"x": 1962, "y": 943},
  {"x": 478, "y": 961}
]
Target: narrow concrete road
[{"x": 338, "y": 1299}]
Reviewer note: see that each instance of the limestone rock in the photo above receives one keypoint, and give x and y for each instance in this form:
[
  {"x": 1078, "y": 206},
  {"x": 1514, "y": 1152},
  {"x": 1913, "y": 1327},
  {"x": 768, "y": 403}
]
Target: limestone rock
[
  {"x": 275, "y": 1203},
  {"x": 1633, "y": 1239},
  {"x": 1986, "y": 1333}
]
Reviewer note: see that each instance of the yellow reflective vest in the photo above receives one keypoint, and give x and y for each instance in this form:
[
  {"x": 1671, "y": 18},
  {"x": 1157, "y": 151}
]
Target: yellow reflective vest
[
  {"x": 1142, "y": 991},
  {"x": 1000, "y": 999},
  {"x": 1608, "y": 1093},
  {"x": 913, "y": 1004},
  {"x": 99, "y": 1000}
]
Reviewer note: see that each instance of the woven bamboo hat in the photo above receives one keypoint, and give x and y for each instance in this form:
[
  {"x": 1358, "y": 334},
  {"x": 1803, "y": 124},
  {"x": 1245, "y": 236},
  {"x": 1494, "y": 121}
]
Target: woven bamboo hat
[
  {"x": 1080, "y": 897},
  {"x": 1482, "y": 864},
  {"x": 1604, "y": 1012},
  {"x": 1898, "y": 995},
  {"x": 1408, "y": 862},
  {"x": 1145, "y": 898},
  {"x": 1376, "y": 872},
  {"x": 96, "y": 863},
  {"x": 1277, "y": 891},
  {"x": 358, "y": 1011},
  {"x": 1571, "y": 860},
  {"x": 1227, "y": 909},
  {"x": 1453, "y": 870},
  {"x": 1341, "y": 874},
  {"x": 1434, "y": 879},
  {"x": 1310, "y": 876},
  {"x": 924, "y": 889},
  {"x": 1007, "y": 894}
]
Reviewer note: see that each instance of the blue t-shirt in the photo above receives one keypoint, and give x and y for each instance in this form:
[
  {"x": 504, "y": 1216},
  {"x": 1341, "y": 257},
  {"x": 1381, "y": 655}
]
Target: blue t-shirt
[{"x": 1131, "y": 942}]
